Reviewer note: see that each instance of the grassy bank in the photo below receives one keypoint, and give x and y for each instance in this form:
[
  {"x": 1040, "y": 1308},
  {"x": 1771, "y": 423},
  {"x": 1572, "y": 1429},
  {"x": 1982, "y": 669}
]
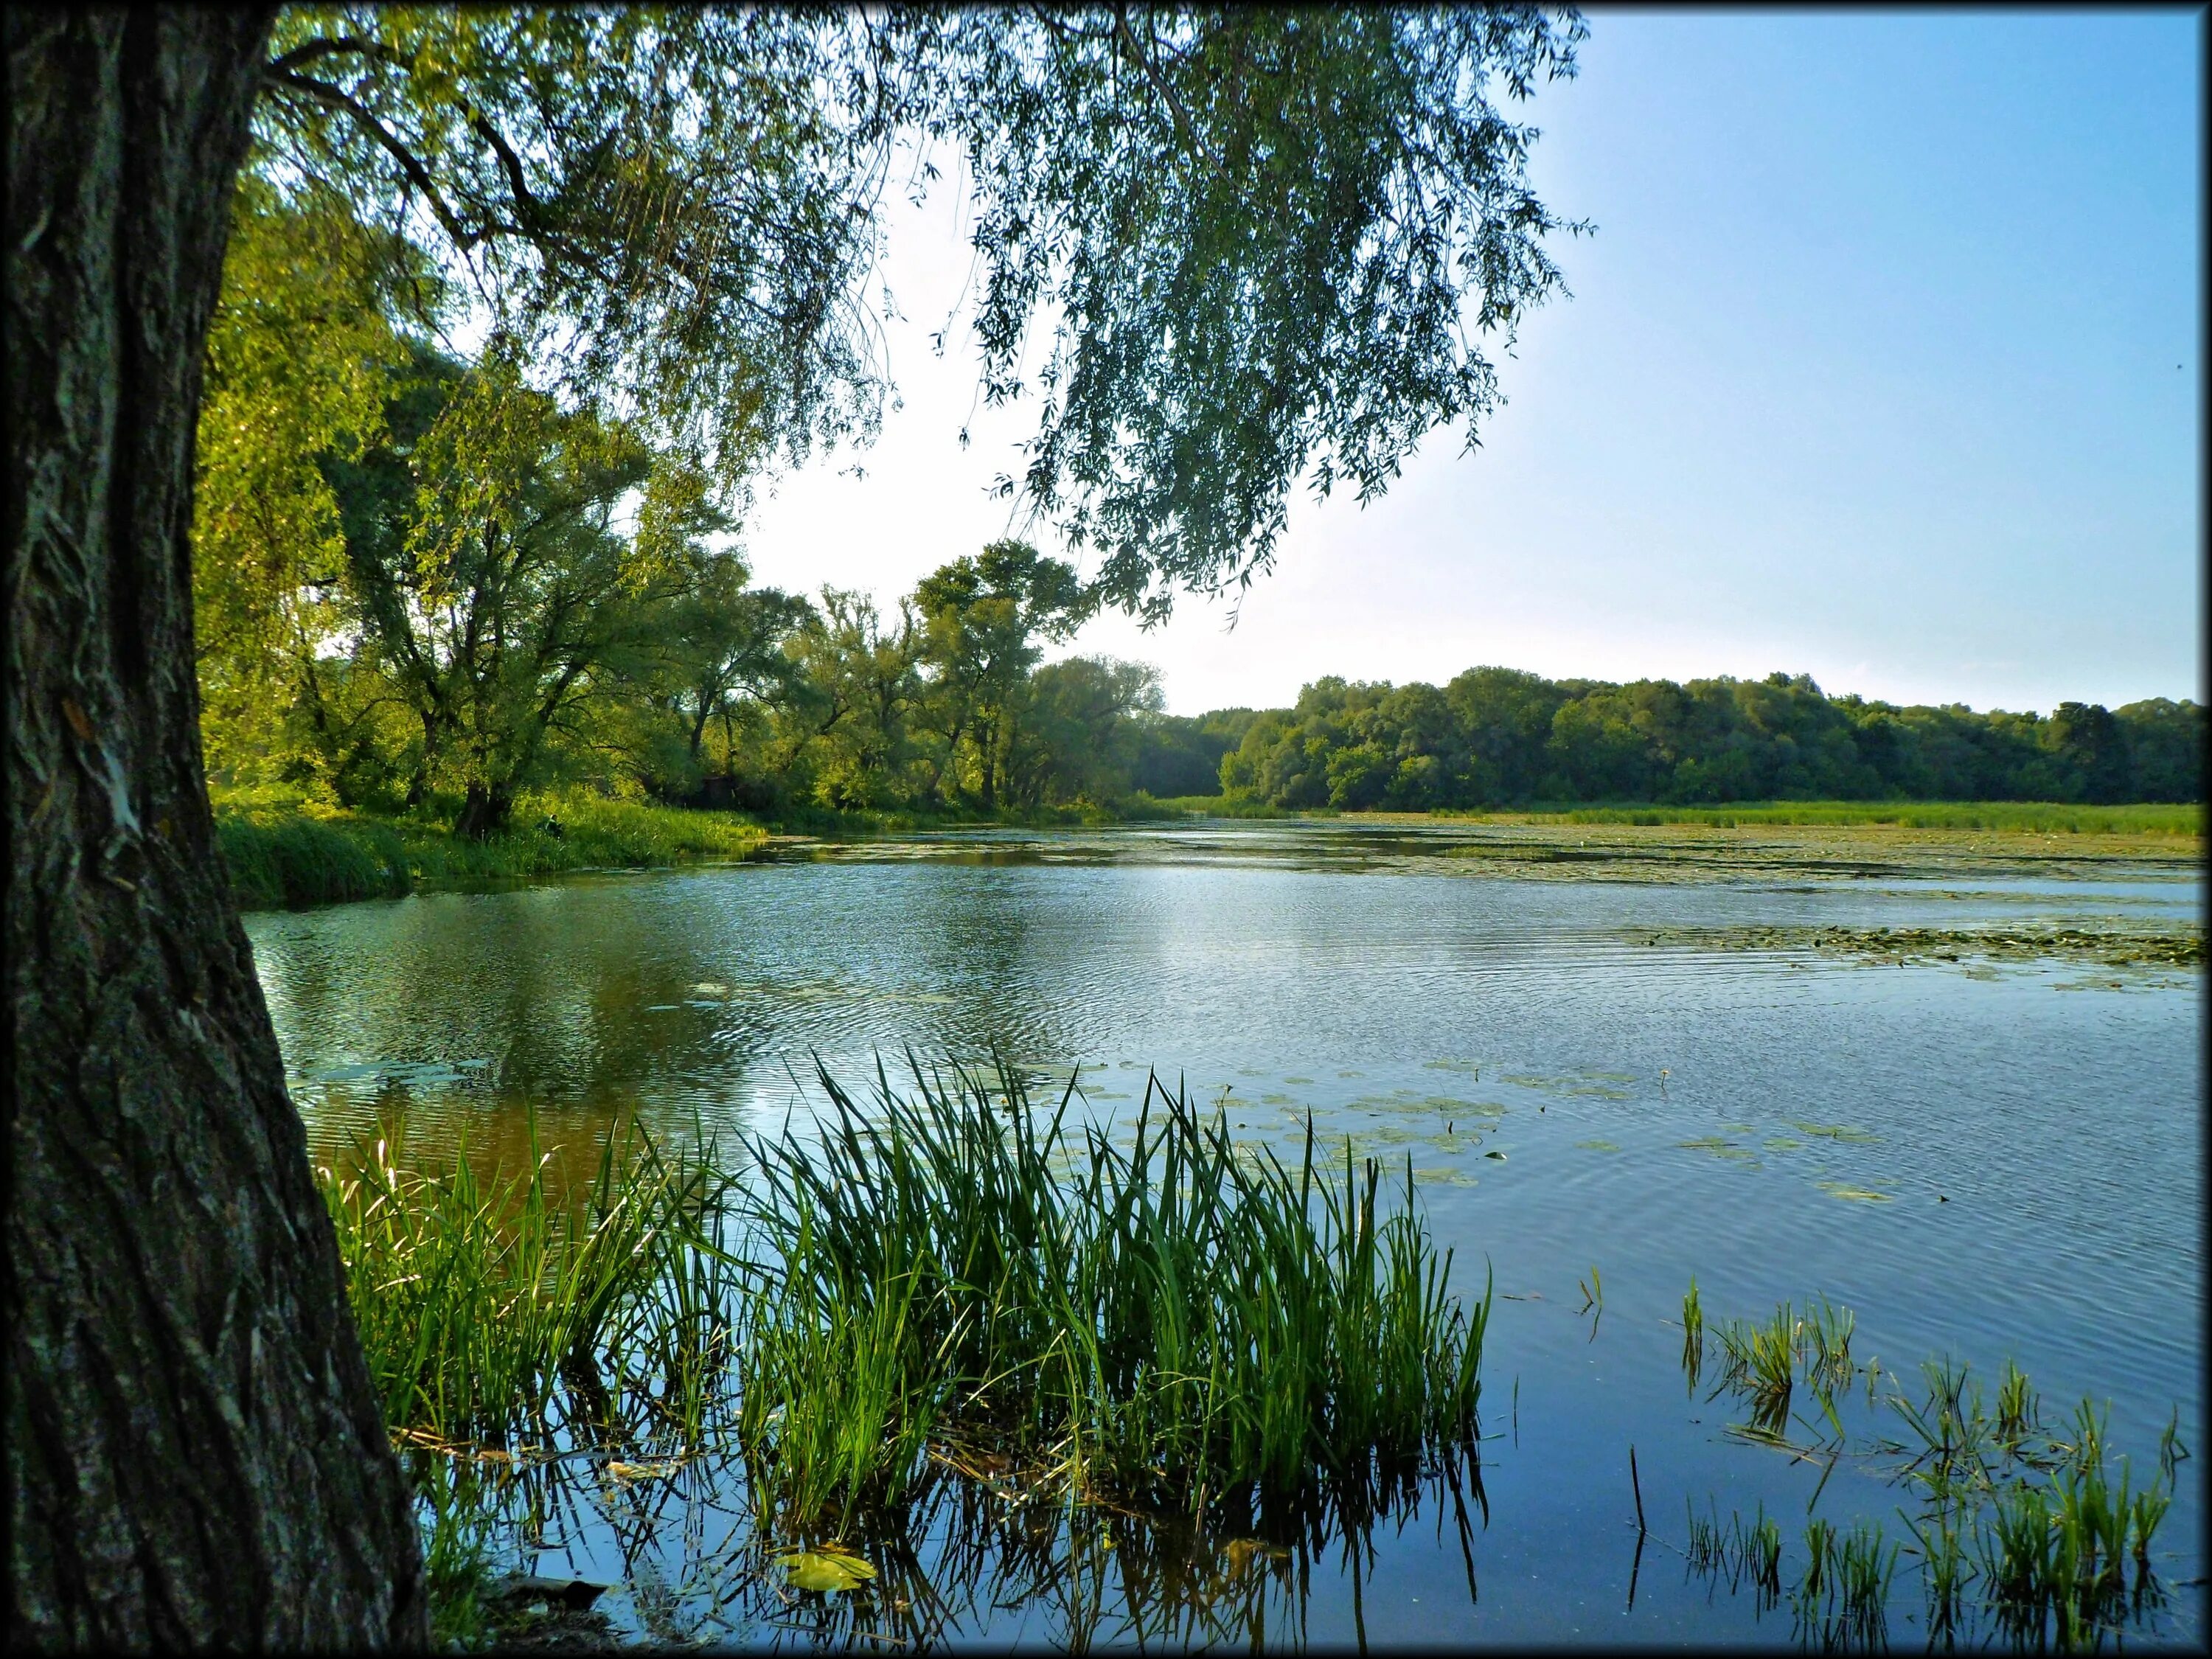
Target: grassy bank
[
  {"x": 831, "y": 821},
  {"x": 284, "y": 848},
  {"x": 1234, "y": 806},
  {"x": 2026, "y": 817}
]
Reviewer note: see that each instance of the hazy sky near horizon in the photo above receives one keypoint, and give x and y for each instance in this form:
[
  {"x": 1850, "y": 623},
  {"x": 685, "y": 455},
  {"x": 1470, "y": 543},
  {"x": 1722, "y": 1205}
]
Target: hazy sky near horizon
[{"x": 1883, "y": 364}]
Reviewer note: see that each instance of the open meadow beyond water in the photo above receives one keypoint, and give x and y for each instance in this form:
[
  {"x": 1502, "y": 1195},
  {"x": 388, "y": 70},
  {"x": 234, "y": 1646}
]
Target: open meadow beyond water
[{"x": 1950, "y": 1080}]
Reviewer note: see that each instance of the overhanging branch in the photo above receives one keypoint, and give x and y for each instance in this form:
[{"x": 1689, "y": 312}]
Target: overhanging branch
[{"x": 410, "y": 164}]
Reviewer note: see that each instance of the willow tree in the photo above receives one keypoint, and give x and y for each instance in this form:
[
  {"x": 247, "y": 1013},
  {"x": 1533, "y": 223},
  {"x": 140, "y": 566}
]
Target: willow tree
[{"x": 1227, "y": 251}]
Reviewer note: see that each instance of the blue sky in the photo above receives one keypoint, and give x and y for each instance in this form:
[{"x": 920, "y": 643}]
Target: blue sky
[{"x": 1884, "y": 365}]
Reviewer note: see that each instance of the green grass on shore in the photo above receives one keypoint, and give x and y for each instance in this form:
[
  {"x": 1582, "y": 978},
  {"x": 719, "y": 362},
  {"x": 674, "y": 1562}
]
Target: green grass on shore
[
  {"x": 2025, "y": 817},
  {"x": 1234, "y": 806},
  {"x": 807, "y": 820},
  {"x": 285, "y": 848},
  {"x": 2022, "y": 816}
]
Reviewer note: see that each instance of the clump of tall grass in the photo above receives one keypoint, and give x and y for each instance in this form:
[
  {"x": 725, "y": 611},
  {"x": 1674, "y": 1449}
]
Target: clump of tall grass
[
  {"x": 1166, "y": 1322},
  {"x": 293, "y": 859},
  {"x": 484, "y": 1302},
  {"x": 1748, "y": 1551},
  {"x": 1843, "y": 1597},
  {"x": 507, "y": 1323}
]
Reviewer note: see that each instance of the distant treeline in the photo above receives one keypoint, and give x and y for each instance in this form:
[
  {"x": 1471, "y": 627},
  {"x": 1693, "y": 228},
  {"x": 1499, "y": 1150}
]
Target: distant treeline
[{"x": 1496, "y": 736}]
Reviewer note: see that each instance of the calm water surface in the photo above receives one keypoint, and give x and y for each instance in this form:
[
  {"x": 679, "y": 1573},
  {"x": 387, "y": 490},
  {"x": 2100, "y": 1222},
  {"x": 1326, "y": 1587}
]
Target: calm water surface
[{"x": 2018, "y": 1171}]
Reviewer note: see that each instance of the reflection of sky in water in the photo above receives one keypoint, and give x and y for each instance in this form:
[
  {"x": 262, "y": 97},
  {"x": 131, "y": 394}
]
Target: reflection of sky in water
[{"x": 2027, "y": 1158}]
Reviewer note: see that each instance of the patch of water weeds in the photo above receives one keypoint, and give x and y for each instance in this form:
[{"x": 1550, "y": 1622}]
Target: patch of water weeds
[
  {"x": 2131, "y": 947},
  {"x": 2022, "y": 1529},
  {"x": 1726, "y": 850}
]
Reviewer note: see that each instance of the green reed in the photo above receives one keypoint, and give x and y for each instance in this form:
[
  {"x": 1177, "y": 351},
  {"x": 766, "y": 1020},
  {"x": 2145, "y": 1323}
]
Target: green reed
[
  {"x": 1747, "y": 1550},
  {"x": 836, "y": 1408},
  {"x": 1693, "y": 1335},
  {"x": 1761, "y": 1364},
  {"x": 482, "y": 1302},
  {"x": 1844, "y": 1593},
  {"x": 1167, "y": 1321}
]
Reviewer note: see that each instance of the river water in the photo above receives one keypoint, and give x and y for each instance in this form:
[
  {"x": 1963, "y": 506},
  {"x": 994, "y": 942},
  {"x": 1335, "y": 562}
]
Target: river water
[{"x": 1984, "y": 1159}]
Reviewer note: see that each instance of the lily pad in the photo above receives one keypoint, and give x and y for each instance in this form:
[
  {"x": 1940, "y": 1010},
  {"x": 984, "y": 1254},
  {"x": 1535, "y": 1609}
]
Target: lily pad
[
  {"x": 1500, "y": 1156},
  {"x": 1836, "y": 1132},
  {"x": 1441, "y": 1177},
  {"x": 1854, "y": 1194},
  {"x": 825, "y": 1569},
  {"x": 627, "y": 1473},
  {"x": 1241, "y": 1553},
  {"x": 1598, "y": 1145}
]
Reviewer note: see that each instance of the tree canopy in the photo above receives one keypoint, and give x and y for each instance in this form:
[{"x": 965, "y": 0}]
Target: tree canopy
[{"x": 1225, "y": 249}]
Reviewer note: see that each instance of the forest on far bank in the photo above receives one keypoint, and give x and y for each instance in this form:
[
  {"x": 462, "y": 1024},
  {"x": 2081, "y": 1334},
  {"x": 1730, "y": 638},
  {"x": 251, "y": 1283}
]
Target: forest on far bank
[{"x": 1499, "y": 737}]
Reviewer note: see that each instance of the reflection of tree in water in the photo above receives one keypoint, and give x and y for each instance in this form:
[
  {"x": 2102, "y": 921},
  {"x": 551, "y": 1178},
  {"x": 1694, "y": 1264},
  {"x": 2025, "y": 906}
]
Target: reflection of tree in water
[{"x": 1099, "y": 1572}]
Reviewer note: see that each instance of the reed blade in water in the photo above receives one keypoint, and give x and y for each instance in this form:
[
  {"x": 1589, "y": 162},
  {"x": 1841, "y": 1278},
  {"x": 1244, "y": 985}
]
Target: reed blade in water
[{"x": 1693, "y": 1335}]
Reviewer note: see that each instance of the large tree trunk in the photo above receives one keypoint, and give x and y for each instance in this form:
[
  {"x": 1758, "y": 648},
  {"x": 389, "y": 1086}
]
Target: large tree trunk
[
  {"x": 195, "y": 1455},
  {"x": 486, "y": 811}
]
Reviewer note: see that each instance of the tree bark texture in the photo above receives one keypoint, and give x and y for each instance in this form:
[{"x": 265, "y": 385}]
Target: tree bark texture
[{"x": 195, "y": 1454}]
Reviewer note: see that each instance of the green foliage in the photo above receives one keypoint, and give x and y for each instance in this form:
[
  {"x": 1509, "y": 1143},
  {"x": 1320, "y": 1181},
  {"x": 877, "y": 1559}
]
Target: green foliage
[
  {"x": 292, "y": 858},
  {"x": 494, "y": 591},
  {"x": 500, "y": 1315},
  {"x": 301, "y": 352},
  {"x": 284, "y": 847},
  {"x": 983, "y": 621},
  {"x": 1181, "y": 755},
  {"x": 482, "y": 1302},
  {"x": 1495, "y": 737},
  {"x": 1075, "y": 729},
  {"x": 948, "y": 1280},
  {"x": 1255, "y": 235}
]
